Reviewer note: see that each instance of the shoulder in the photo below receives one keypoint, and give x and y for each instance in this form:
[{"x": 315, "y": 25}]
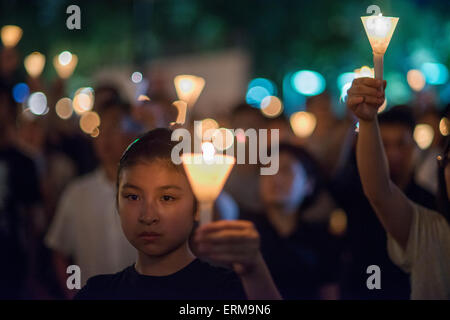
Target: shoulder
[{"x": 429, "y": 223}]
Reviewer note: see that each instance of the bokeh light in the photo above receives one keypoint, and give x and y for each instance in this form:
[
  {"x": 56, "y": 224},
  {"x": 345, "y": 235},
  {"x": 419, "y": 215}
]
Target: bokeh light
[
  {"x": 83, "y": 100},
  {"x": 344, "y": 79},
  {"x": 64, "y": 58},
  {"x": 89, "y": 121},
  {"x": 308, "y": 83},
  {"x": 444, "y": 126},
  {"x": 64, "y": 108},
  {"x": 303, "y": 123},
  {"x": 143, "y": 97},
  {"x": 423, "y": 135},
  {"x": 365, "y": 72},
  {"x": 188, "y": 88},
  {"x": 338, "y": 222},
  {"x": 136, "y": 77},
  {"x": 21, "y": 92},
  {"x": 415, "y": 79},
  {"x": 34, "y": 64},
  {"x": 435, "y": 73},
  {"x": 37, "y": 103},
  {"x": 208, "y": 151},
  {"x": 255, "y": 96},
  {"x": 65, "y": 64},
  {"x": 344, "y": 90},
  {"x": 271, "y": 106},
  {"x": 265, "y": 83},
  {"x": 11, "y": 35},
  {"x": 222, "y": 139},
  {"x": 207, "y": 129}
]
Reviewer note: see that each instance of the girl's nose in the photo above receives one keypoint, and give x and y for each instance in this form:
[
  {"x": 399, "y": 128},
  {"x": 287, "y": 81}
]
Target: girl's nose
[{"x": 149, "y": 215}]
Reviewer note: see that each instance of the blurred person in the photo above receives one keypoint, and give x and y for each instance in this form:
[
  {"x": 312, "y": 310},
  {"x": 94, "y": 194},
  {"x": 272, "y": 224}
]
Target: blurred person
[
  {"x": 105, "y": 94},
  {"x": 55, "y": 170},
  {"x": 418, "y": 238},
  {"x": 366, "y": 238},
  {"x": 286, "y": 134},
  {"x": 86, "y": 228},
  {"x": 9, "y": 64},
  {"x": 158, "y": 211},
  {"x": 158, "y": 112},
  {"x": 327, "y": 141},
  {"x": 301, "y": 253},
  {"x": 426, "y": 162},
  {"x": 20, "y": 203},
  {"x": 242, "y": 183}
]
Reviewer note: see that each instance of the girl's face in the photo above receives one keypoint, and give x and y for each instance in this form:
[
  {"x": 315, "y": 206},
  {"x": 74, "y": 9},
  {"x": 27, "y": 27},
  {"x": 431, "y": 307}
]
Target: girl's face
[
  {"x": 156, "y": 207},
  {"x": 288, "y": 187}
]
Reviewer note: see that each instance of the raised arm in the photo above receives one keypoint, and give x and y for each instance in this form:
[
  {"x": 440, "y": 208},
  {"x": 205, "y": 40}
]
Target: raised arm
[{"x": 390, "y": 204}]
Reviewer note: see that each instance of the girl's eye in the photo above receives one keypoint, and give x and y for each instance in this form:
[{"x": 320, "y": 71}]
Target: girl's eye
[
  {"x": 132, "y": 197},
  {"x": 167, "y": 198}
]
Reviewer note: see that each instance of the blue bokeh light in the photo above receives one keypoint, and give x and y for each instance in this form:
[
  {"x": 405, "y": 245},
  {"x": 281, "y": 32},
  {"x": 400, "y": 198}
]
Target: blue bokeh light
[
  {"x": 345, "y": 78},
  {"x": 308, "y": 83},
  {"x": 435, "y": 73},
  {"x": 265, "y": 83},
  {"x": 20, "y": 92},
  {"x": 255, "y": 95}
]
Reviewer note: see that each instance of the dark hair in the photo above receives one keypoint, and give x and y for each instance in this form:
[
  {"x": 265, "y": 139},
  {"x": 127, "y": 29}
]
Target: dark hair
[
  {"x": 152, "y": 146},
  {"x": 442, "y": 197},
  {"x": 398, "y": 115},
  {"x": 122, "y": 107}
]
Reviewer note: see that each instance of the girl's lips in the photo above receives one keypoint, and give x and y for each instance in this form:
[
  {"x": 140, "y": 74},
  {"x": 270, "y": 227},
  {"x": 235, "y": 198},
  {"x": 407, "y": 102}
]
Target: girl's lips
[{"x": 149, "y": 236}]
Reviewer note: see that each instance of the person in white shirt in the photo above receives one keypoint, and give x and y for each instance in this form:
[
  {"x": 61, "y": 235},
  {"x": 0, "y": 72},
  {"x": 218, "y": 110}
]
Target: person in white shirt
[
  {"x": 86, "y": 228},
  {"x": 418, "y": 238}
]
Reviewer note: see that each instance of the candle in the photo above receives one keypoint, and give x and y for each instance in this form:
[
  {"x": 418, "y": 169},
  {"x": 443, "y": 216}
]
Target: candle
[
  {"x": 207, "y": 173},
  {"x": 188, "y": 88},
  {"x": 65, "y": 64},
  {"x": 379, "y": 30},
  {"x": 34, "y": 64},
  {"x": 11, "y": 35}
]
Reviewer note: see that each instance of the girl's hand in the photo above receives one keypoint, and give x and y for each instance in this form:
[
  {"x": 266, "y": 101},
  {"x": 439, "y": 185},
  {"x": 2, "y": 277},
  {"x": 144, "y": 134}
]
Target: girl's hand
[
  {"x": 232, "y": 243},
  {"x": 365, "y": 96}
]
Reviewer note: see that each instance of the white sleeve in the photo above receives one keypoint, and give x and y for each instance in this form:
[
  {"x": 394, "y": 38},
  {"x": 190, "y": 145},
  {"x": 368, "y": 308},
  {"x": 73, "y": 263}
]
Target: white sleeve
[
  {"x": 60, "y": 236},
  {"x": 427, "y": 229}
]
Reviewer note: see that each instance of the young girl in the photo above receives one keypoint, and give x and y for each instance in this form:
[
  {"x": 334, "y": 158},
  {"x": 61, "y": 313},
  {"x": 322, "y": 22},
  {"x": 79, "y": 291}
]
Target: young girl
[
  {"x": 158, "y": 210},
  {"x": 418, "y": 238}
]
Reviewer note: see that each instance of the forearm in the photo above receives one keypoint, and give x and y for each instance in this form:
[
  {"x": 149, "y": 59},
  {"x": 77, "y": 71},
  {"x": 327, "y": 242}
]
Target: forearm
[
  {"x": 390, "y": 204},
  {"x": 258, "y": 284},
  {"x": 372, "y": 163}
]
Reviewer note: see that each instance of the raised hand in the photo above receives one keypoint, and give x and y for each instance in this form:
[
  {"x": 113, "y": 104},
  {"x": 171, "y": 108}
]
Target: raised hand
[{"x": 365, "y": 96}]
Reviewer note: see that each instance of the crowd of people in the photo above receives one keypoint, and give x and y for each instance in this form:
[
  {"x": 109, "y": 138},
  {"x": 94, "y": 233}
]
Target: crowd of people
[{"x": 340, "y": 202}]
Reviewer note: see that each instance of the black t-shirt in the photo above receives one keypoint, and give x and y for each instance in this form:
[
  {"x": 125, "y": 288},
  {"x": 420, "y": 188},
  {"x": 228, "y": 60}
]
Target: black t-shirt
[
  {"x": 197, "y": 281},
  {"x": 300, "y": 263}
]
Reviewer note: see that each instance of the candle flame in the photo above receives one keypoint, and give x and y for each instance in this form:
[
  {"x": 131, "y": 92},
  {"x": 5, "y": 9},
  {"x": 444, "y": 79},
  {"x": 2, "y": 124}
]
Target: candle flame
[{"x": 208, "y": 151}]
